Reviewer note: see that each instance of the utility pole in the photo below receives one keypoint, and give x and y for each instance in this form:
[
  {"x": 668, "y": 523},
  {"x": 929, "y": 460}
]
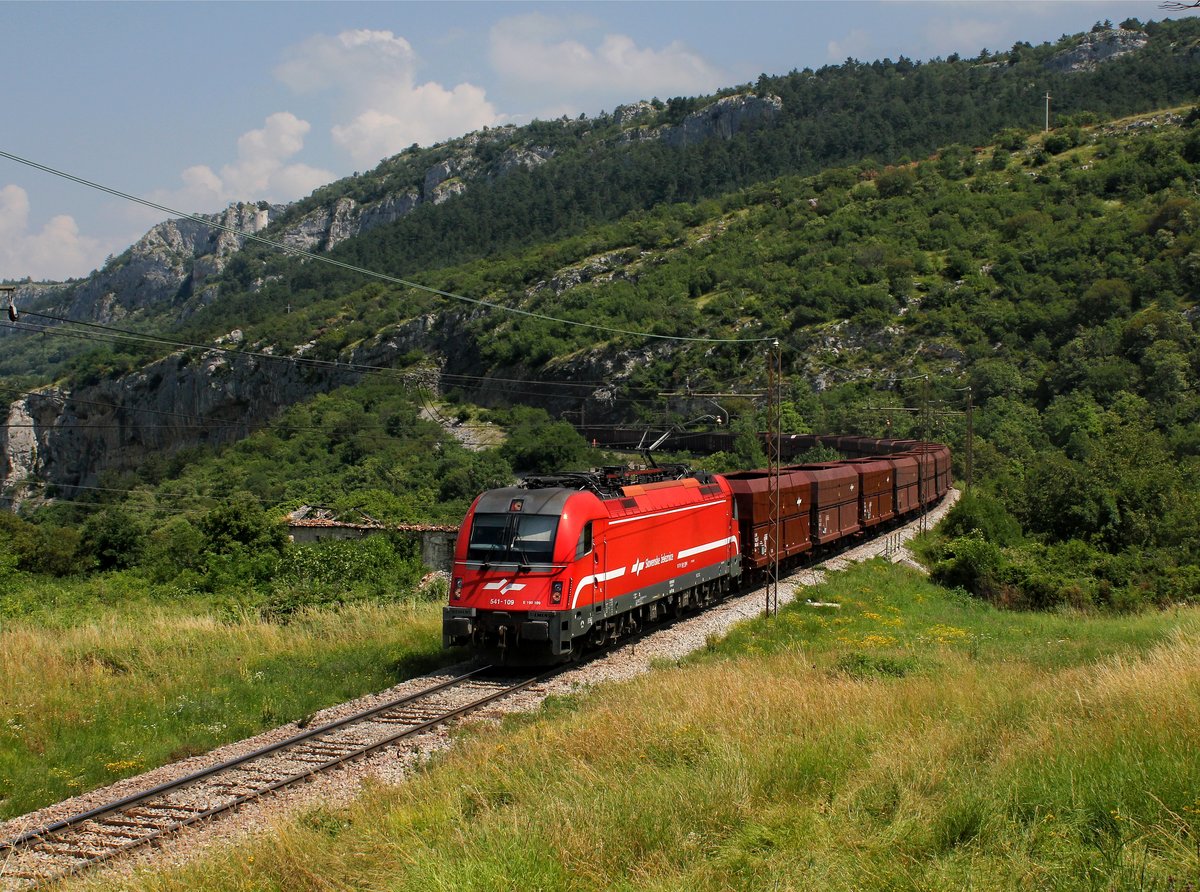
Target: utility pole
[
  {"x": 1047, "y": 111},
  {"x": 7, "y": 291},
  {"x": 970, "y": 435},
  {"x": 774, "y": 470},
  {"x": 925, "y": 410}
]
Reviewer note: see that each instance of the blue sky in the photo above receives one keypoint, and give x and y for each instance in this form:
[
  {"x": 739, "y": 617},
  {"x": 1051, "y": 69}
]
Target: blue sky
[{"x": 195, "y": 105}]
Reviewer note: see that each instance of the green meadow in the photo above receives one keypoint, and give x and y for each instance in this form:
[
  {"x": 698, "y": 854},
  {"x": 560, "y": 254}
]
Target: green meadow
[{"x": 913, "y": 738}]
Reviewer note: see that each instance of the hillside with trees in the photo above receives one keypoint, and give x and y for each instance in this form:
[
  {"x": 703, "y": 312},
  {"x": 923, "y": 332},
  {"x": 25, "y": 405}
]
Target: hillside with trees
[
  {"x": 499, "y": 190},
  {"x": 1055, "y": 275}
]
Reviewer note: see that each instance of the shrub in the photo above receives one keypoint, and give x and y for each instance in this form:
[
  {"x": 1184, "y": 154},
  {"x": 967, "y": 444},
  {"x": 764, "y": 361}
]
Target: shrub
[
  {"x": 241, "y": 524},
  {"x": 42, "y": 547},
  {"x": 174, "y": 547},
  {"x": 972, "y": 563},
  {"x": 979, "y": 511},
  {"x": 539, "y": 445},
  {"x": 112, "y": 539},
  {"x": 337, "y": 572},
  {"x": 895, "y": 181}
]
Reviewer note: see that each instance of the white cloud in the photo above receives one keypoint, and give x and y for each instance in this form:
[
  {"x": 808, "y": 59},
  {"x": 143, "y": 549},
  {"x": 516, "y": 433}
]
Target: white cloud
[
  {"x": 855, "y": 45},
  {"x": 966, "y": 36},
  {"x": 58, "y": 251},
  {"x": 541, "y": 54},
  {"x": 385, "y": 109},
  {"x": 260, "y": 172}
]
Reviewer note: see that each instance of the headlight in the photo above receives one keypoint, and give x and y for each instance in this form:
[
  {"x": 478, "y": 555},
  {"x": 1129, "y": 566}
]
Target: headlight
[
  {"x": 556, "y": 593},
  {"x": 457, "y": 595}
]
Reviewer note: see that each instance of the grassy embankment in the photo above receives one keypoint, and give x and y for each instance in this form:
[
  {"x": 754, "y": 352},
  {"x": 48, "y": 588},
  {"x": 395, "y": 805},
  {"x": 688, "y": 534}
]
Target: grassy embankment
[
  {"x": 99, "y": 685},
  {"x": 913, "y": 739}
]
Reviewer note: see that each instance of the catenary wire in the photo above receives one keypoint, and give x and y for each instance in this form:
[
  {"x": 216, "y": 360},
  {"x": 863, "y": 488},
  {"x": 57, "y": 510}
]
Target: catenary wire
[
  {"x": 112, "y": 334},
  {"x": 395, "y": 280}
]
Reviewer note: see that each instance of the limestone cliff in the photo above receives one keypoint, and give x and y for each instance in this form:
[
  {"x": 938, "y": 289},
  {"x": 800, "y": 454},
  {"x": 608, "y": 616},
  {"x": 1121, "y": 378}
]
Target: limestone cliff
[
  {"x": 722, "y": 119},
  {"x": 1096, "y": 48}
]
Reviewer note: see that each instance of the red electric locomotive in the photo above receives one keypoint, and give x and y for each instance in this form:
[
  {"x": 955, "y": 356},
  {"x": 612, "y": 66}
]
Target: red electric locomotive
[
  {"x": 563, "y": 561},
  {"x": 557, "y": 563}
]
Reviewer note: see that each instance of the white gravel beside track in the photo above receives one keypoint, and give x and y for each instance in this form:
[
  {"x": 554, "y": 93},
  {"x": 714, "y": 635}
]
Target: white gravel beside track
[{"x": 393, "y": 764}]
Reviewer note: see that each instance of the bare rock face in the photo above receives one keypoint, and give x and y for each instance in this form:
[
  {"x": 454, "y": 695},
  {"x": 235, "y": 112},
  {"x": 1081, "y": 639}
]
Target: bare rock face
[
  {"x": 627, "y": 114},
  {"x": 389, "y": 209},
  {"x": 1097, "y": 48},
  {"x": 164, "y": 266},
  {"x": 18, "y": 453},
  {"x": 67, "y": 438},
  {"x": 724, "y": 119},
  {"x": 517, "y": 158},
  {"x": 442, "y": 171},
  {"x": 309, "y": 232}
]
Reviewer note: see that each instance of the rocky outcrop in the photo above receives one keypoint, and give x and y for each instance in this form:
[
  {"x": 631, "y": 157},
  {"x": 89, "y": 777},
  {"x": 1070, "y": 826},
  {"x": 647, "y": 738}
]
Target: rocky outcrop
[
  {"x": 164, "y": 267},
  {"x": 186, "y": 399},
  {"x": 522, "y": 158},
  {"x": 627, "y": 114},
  {"x": 722, "y": 119},
  {"x": 19, "y": 452},
  {"x": 387, "y": 210},
  {"x": 444, "y": 170},
  {"x": 328, "y": 226},
  {"x": 1096, "y": 48},
  {"x": 156, "y": 268},
  {"x": 600, "y": 268}
]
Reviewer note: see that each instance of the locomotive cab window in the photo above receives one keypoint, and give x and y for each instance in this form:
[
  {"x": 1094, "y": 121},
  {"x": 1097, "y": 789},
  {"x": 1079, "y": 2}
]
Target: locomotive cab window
[
  {"x": 584, "y": 546},
  {"x": 512, "y": 538}
]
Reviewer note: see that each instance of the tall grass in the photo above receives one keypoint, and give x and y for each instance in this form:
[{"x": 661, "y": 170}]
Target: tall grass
[
  {"x": 911, "y": 740},
  {"x": 96, "y": 699}
]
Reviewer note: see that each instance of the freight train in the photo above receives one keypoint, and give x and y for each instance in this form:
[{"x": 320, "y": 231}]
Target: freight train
[{"x": 562, "y": 563}]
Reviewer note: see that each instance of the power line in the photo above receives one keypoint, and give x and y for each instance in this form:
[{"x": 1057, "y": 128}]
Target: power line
[
  {"x": 108, "y": 334},
  {"x": 127, "y": 334},
  {"x": 395, "y": 280}
]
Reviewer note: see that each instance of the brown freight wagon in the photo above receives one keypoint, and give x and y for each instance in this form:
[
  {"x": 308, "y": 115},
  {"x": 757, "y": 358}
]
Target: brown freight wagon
[
  {"x": 752, "y": 495},
  {"x": 907, "y": 474},
  {"x": 835, "y": 500},
  {"x": 876, "y": 490},
  {"x": 851, "y": 447},
  {"x": 927, "y": 472},
  {"x": 940, "y": 473},
  {"x": 945, "y": 474},
  {"x": 895, "y": 446}
]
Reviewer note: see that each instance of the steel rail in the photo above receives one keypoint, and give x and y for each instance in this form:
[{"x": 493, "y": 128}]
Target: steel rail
[
  {"x": 100, "y": 811},
  {"x": 75, "y": 822},
  {"x": 271, "y": 787}
]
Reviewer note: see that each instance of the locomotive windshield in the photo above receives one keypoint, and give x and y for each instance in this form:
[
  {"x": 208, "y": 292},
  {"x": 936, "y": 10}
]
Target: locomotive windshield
[{"x": 512, "y": 538}]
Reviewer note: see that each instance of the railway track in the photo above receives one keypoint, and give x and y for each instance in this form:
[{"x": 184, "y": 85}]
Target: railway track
[{"x": 81, "y": 841}]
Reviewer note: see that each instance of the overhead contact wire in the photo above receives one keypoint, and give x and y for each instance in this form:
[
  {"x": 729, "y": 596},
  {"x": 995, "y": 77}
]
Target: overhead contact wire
[{"x": 350, "y": 267}]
